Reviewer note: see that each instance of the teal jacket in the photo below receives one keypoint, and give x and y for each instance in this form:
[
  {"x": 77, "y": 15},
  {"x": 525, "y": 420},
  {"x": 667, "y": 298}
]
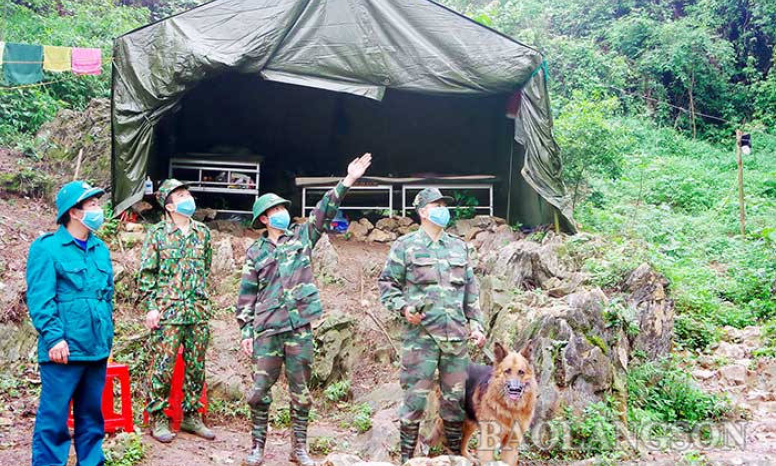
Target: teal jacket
[{"x": 70, "y": 295}]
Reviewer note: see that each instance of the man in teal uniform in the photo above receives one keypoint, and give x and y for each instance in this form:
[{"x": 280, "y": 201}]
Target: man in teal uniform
[{"x": 70, "y": 298}]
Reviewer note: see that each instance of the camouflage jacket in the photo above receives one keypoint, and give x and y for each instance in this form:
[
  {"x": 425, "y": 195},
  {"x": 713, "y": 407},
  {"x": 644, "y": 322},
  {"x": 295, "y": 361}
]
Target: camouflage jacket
[
  {"x": 435, "y": 277},
  {"x": 277, "y": 292},
  {"x": 173, "y": 272}
]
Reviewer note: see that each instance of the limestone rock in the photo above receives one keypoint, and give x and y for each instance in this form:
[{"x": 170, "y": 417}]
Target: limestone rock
[
  {"x": 387, "y": 224},
  {"x": 203, "y": 215},
  {"x": 380, "y": 236},
  {"x": 734, "y": 373},
  {"x": 341, "y": 459},
  {"x": 366, "y": 223},
  {"x": 326, "y": 261},
  {"x": 18, "y": 342},
  {"x": 388, "y": 395},
  {"x": 404, "y": 221},
  {"x": 654, "y": 311},
  {"x": 358, "y": 231},
  {"x": 133, "y": 227},
  {"x": 382, "y": 439},
  {"x": 408, "y": 229},
  {"x": 61, "y": 139},
  {"x": 223, "y": 256},
  {"x": 446, "y": 461},
  {"x": 131, "y": 239},
  {"x": 334, "y": 349}
]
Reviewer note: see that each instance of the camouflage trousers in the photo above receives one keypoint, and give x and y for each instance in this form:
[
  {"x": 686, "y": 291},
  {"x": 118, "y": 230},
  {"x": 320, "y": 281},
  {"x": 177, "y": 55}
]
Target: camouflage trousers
[
  {"x": 295, "y": 349},
  {"x": 421, "y": 357},
  {"x": 163, "y": 345}
]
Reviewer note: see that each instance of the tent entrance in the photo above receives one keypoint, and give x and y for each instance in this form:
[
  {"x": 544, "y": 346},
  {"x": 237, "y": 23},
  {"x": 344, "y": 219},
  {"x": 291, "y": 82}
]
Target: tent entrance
[{"x": 306, "y": 132}]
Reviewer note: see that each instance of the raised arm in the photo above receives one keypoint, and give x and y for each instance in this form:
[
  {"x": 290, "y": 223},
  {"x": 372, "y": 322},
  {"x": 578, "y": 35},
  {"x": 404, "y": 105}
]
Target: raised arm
[{"x": 326, "y": 209}]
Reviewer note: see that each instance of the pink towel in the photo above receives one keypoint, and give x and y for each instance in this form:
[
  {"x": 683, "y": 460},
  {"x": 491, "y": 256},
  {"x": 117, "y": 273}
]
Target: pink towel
[{"x": 87, "y": 61}]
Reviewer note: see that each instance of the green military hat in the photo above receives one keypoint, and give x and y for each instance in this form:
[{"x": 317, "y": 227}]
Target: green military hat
[
  {"x": 167, "y": 188},
  {"x": 74, "y": 193},
  {"x": 267, "y": 201},
  {"x": 429, "y": 195}
]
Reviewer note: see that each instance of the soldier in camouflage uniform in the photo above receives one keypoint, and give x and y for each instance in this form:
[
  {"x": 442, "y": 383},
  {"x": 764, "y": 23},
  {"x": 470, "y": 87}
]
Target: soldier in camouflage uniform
[
  {"x": 428, "y": 278},
  {"x": 278, "y": 301},
  {"x": 174, "y": 267}
]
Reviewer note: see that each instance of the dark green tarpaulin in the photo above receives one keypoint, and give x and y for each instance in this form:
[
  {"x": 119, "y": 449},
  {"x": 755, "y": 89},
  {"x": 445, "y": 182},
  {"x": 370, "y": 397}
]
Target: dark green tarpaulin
[{"x": 360, "y": 47}]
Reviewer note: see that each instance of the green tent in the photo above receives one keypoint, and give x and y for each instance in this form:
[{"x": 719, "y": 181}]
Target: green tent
[{"x": 309, "y": 84}]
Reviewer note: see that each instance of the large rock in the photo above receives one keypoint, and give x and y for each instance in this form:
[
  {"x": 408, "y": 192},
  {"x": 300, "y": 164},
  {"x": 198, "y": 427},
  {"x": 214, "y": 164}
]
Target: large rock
[
  {"x": 61, "y": 139},
  {"x": 583, "y": 339},
  {"x": 223, "y": 256},
  {"x": 382, "y": 440},
  {"x": 334, "y": 349},
  {"x": 654, "y": 311},
  {"x": 18, "y": 342},
  {"x": 326, "y": 262},
  {"x": 404, "y": 221},
  {"x": 357, "y": 231},
  {"x": 387, "y": 224},
  {"x": 446, "y": 461},
  {"x": 387, "y": 395},
  {"x": 379, "y": 236}
]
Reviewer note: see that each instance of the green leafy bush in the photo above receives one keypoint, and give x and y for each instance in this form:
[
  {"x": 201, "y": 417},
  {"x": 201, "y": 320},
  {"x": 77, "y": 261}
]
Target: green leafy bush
[{"x": 666, "y": 390}]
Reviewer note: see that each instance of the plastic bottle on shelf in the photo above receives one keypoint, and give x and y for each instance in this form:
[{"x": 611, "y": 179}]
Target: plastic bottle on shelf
[{"x": 149, "y": 187}]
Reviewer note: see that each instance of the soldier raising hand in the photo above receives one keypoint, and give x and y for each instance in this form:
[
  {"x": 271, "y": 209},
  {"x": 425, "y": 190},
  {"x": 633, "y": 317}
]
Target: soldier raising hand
[{"x": 278, "y": 301}]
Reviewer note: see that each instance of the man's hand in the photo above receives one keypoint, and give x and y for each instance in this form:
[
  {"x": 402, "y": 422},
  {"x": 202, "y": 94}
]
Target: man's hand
[
  {"x": 413, "y": 317},
  {"x": 478, "y": 338},
  {"x": 357, "y": 168},
  {"x": 59, "y": 353},
  {"x": 247, "y": 346},
  {"x": 152, "y": 320}
]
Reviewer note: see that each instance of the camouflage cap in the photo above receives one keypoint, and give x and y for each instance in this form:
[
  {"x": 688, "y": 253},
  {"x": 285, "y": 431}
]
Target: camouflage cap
[
  {"x": 167, "y": 188},
  {"x": 429, "y": 195},
  {"x": 267, "y": 201}
]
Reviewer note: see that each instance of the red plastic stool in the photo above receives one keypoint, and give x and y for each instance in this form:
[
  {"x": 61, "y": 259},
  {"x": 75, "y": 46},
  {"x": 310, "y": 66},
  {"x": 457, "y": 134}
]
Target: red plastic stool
[
  {"x": 113, "y": 420},
  {"x": 175, "y": 409}
]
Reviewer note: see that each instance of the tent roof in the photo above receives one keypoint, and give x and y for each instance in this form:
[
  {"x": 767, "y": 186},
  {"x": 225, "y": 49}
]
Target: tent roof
[{"x": 362, "y": 47}]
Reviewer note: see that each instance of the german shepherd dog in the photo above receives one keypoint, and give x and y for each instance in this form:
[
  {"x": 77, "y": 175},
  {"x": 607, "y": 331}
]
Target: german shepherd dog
[{"x": 500, "y": 402}]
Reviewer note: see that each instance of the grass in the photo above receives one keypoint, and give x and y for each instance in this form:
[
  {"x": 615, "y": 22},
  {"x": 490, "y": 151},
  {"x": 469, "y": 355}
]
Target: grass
[{"x": 676, "y": 207}]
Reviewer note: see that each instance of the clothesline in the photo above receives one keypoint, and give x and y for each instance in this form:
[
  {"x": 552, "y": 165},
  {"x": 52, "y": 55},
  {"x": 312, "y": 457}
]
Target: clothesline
[{"x": 24, "y": 64}]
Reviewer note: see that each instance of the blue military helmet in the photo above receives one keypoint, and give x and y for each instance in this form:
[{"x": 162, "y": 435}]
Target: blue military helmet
[{"x": 74, "y": 193}]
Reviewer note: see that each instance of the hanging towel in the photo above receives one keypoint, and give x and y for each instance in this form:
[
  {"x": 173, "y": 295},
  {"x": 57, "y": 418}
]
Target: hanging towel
[
  {"x": 56, "y": 59},
  {"x": 87, "y": 61},
  {"x": 22, "y": 64}
]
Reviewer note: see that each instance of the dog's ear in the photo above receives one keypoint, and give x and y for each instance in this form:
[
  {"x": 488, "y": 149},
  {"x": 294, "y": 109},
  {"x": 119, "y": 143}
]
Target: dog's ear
[
  {"x": 499, "y": 353},
  {"x": 527, "y": 350}
]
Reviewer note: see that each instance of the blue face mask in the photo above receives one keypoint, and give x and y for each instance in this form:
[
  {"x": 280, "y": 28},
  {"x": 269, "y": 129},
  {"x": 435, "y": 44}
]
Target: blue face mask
[
  {"x": 186, "y": 207},
  {"x": 439, "y": 216},
  {"x": 93, "y": 219},
  {"x": 280, "y": 220}
]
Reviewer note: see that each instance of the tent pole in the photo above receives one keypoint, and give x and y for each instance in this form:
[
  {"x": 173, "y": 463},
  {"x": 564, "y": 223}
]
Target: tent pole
[{"x": 509, "y": 191}]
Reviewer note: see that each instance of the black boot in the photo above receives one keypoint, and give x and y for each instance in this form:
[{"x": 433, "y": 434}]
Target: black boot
[
  {"x": 453, "y": 435},
  {"x": 409, "y": 440},
  {"x": 299, "y": 438},
  {"x": 260, "y": 418}
]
